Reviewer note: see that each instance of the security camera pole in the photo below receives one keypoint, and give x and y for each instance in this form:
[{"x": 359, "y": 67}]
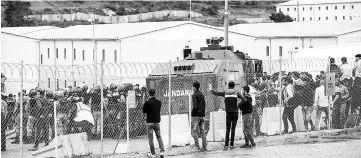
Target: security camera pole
[{"x": 226, "y": 23}]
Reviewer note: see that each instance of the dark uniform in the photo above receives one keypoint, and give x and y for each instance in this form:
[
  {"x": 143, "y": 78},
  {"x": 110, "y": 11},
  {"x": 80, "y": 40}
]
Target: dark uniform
[
  {"x": 42, "y": 130},
  {"x": 113, "y": 110},
  {"x": 96, "y": 111}
]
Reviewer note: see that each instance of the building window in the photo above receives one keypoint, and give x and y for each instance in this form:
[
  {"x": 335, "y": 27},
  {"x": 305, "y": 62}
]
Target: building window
[
  {"x": 319, "y": 18},
  {"x": 74, "y": 54},
  {"x": 303, "y": 9},
  {"x": 335, "y": 7},
  {"x": 350, "y": 17},
  {"x": 64, "y": 53},
  {"x": 57, "y": 53},
  {"x": 280, "y": 10},
  {"x": 103, "y": 55},
  {"x": 310, "y": 8},
  {"x": 343, "y": 7},
  {"x": 335, "y": 17},
  {"x": 115, "y": 55},
  {"x": 343, "y": 17},
  {"x": 303, "y": 19},
  {"x": 295, "y": 9},
  {"x": 319, "y": 8},
  {"x": 310, "y": 18},
  {"x": 41, "y": 59},
  {"x": 326, "y": 7},
  {"x": 83, "y": 55},
  {"x": 288, "y": 9},
  {"x": 351, "y": 7},
  {"x": 49, "y": 53},
  {"x": 326, "y": 18}
]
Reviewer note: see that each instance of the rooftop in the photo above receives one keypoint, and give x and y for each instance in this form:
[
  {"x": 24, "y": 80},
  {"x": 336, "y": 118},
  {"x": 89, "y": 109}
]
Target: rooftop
[
  {"x": 26, "y": 30},
  {"x": 310, "y": 2},
  {"x": 298, "y": 29}
]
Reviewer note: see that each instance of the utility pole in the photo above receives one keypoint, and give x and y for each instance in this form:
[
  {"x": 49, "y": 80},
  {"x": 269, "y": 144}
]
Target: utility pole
[{"x": 226, "y": 23}]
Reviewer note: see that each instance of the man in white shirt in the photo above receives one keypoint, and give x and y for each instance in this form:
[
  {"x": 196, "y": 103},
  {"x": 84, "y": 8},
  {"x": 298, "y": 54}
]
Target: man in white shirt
[
  {"x": 321, "y": 103},
  {"x": 345, "y": 69}
]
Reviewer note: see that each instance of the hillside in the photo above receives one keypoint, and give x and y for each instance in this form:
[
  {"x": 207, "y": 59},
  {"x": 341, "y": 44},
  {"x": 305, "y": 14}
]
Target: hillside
[{"x": 240, "y": 12}]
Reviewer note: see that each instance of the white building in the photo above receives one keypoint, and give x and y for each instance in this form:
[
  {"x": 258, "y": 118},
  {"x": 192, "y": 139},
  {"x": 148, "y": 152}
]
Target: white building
[
  {"x": 17, "y": 44},
  {"x": 156, "y": 42},
  {"x": 293, "y": 36},
  {"x": 321, "y": 10}
]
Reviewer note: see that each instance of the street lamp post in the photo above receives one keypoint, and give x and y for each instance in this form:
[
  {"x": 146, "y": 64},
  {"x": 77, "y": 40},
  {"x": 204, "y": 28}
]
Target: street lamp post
[{"x": 92, "y": 21}]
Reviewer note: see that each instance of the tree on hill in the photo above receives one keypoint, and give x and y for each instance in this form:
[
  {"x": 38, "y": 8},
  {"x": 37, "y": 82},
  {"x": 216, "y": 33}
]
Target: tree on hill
[
  {"x": 280, "y": 17},
  {"x": 15, "y": 12}
]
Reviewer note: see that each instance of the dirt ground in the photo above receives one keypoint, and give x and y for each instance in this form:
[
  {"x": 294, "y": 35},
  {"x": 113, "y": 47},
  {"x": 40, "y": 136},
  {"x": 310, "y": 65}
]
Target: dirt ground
[{"x": 139, "y": 147}]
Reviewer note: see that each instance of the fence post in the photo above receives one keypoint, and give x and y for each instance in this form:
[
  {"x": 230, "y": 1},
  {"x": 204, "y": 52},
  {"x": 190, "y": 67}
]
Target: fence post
[
  {"x": 328, "y": 98},
  {"x": 39, "y": 63},
  {"x": 55, "y": 131},
  {"x": 227, "y": 78},
  {"x": 190, "y": 116},
  {"x": 169, "y": 107},
  {"x": 21, "y": 108},
  {"x": 281, "y": 92},
  {"x": 102, "y": 106}
]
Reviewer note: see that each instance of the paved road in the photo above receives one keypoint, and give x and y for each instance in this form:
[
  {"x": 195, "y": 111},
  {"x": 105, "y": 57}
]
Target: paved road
[{"x": 350, "y": 149}]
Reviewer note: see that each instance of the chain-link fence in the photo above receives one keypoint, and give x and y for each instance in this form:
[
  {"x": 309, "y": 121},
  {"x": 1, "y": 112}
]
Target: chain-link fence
[{"x": 105, "y": 102}]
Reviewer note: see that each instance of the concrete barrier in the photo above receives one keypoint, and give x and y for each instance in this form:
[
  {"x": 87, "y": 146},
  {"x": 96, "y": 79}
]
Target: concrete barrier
[
  {"x": 180, "y": 130},
  {"x": 217, "y": 127},
  {"x": 271, "y": 120},
  {"x": 67, "y": 145}
]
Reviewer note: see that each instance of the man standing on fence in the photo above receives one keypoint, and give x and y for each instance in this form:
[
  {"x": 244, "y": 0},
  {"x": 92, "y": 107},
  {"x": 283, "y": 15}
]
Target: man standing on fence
[
  {"x": 152, "y": 109},
  {"x": 198, "y": 114},
  {"x": 231, "y": 96}
]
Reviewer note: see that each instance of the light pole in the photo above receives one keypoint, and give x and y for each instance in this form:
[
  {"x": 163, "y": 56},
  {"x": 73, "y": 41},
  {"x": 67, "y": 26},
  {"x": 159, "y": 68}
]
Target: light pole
[
  {"x": 226, "y": 23},
  {"x": 92, "y": 21}
]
